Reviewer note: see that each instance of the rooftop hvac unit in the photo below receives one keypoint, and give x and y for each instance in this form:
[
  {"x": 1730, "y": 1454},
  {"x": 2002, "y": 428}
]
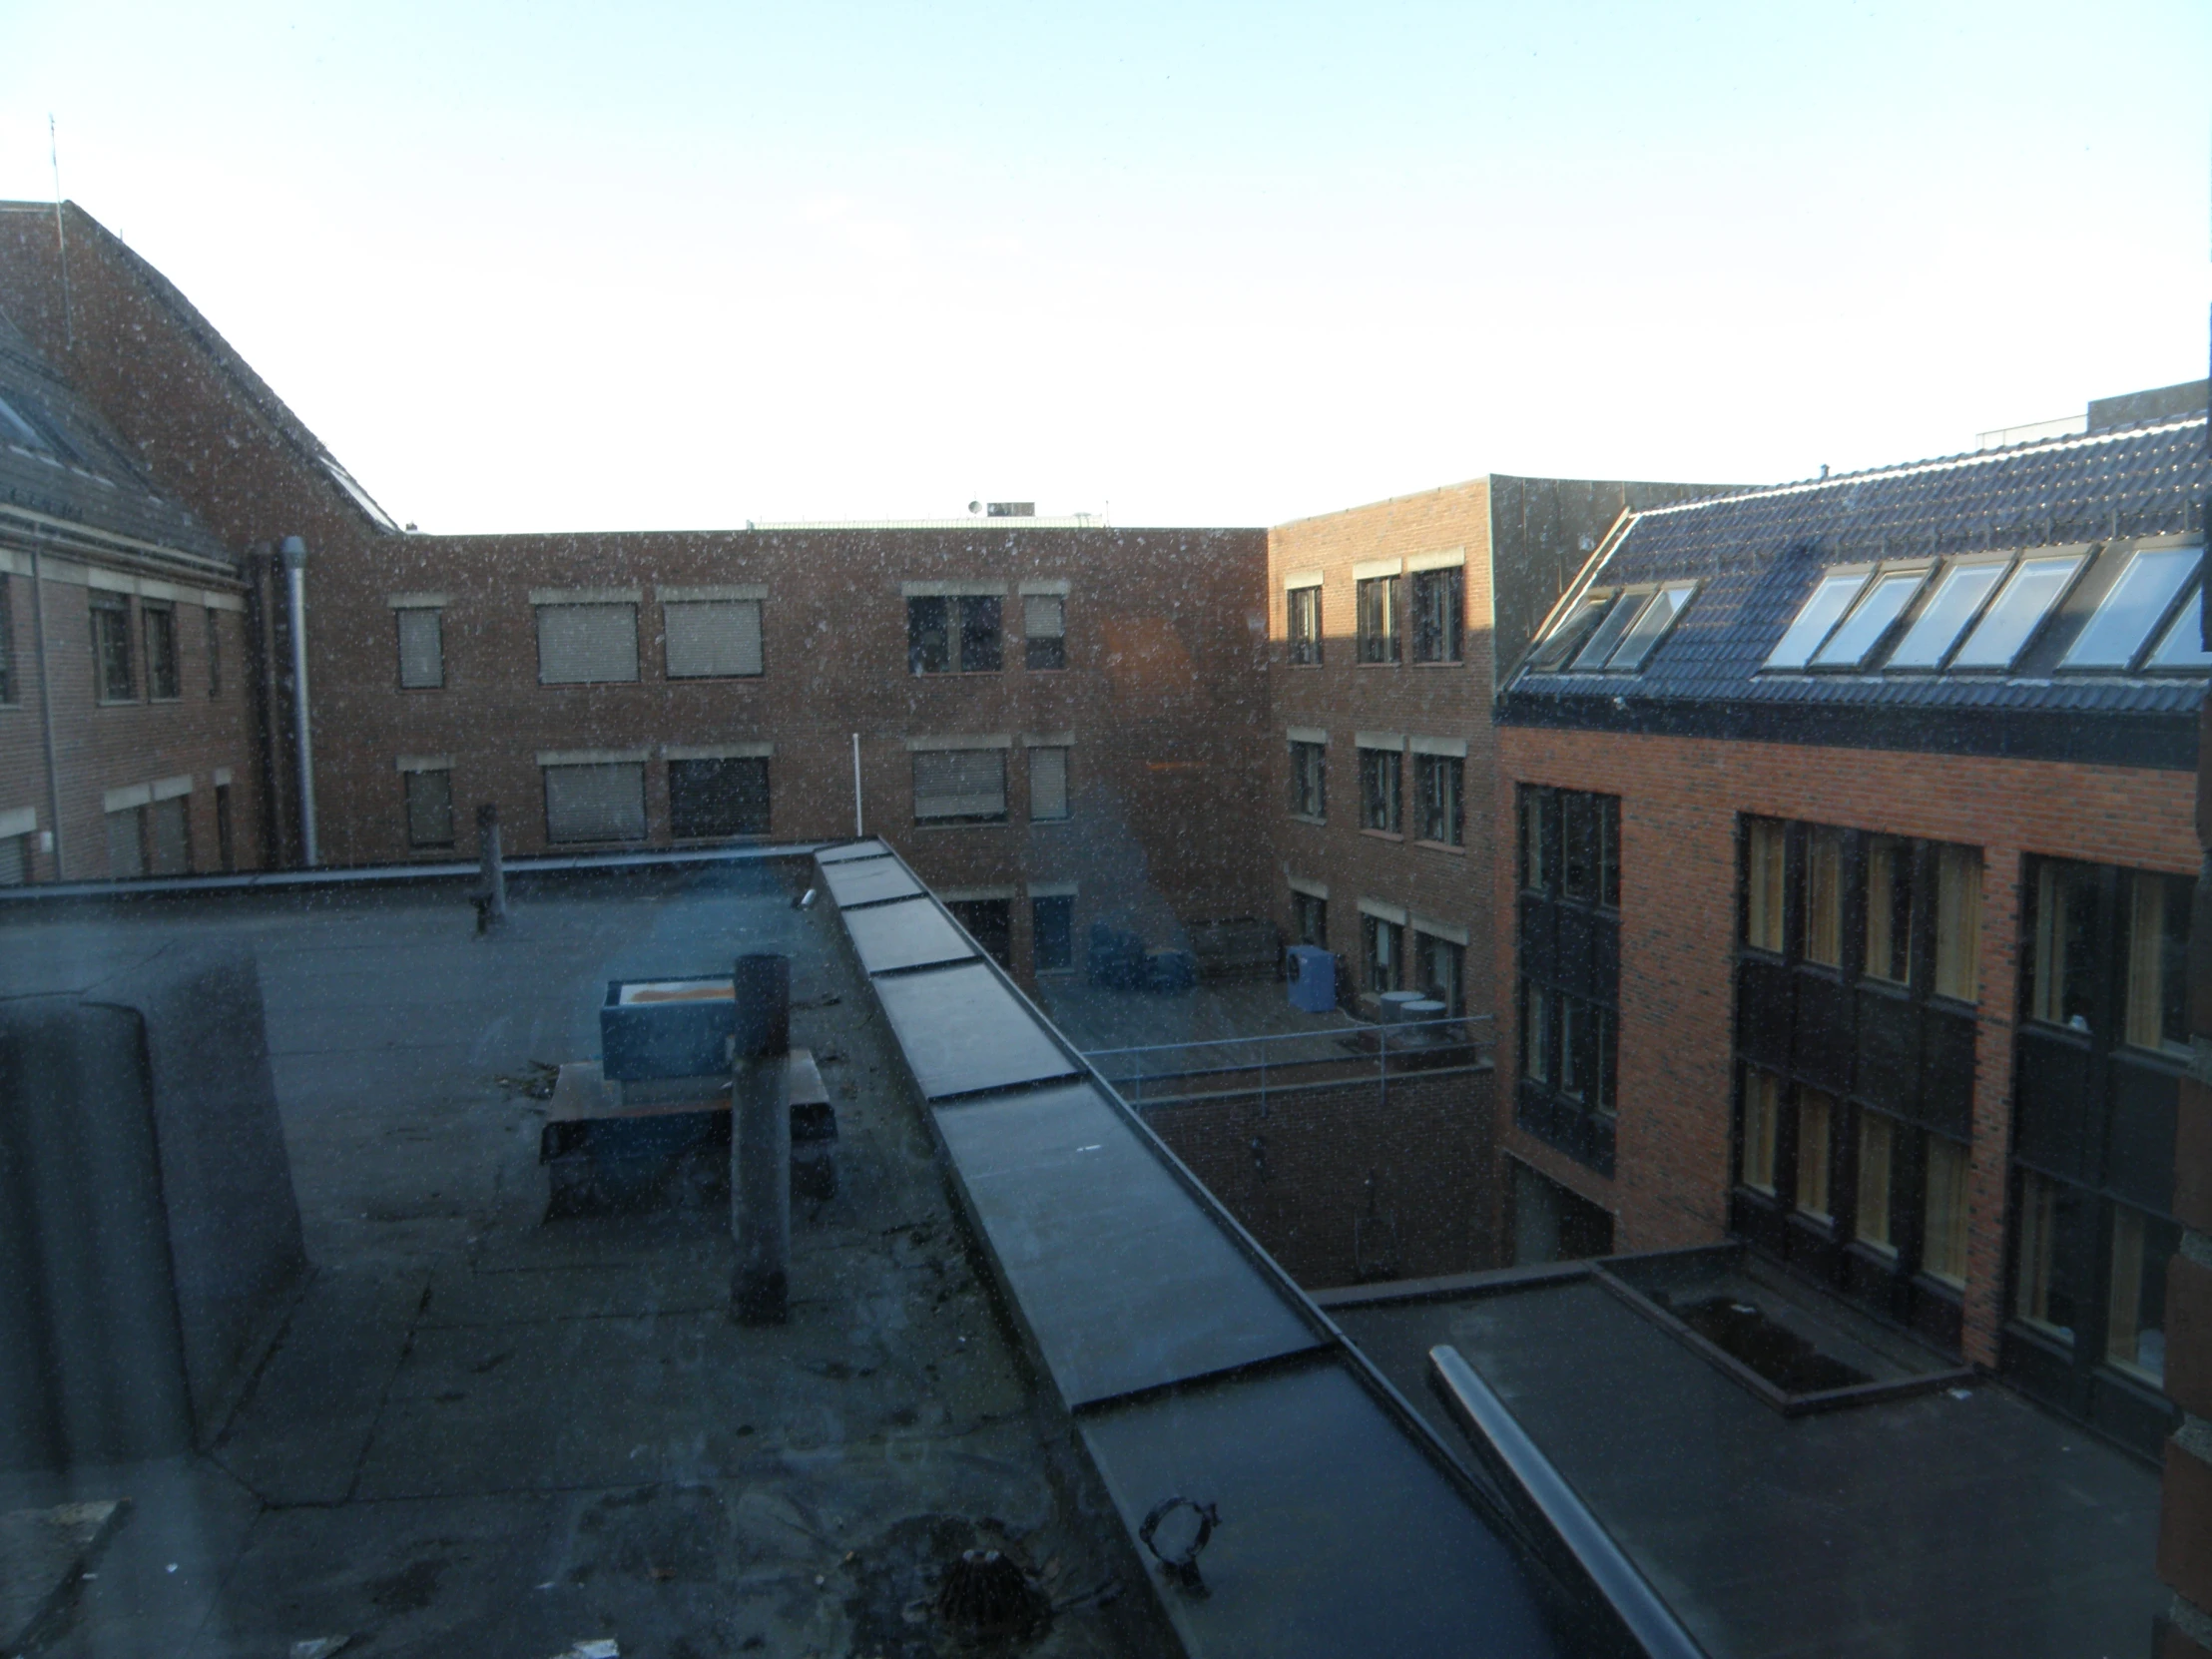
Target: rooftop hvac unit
[{"x": 1313, "y": 978}]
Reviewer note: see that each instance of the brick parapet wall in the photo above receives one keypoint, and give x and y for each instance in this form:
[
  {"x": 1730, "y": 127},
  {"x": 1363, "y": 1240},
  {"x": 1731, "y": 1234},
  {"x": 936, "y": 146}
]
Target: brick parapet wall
[
  {"x": 1681, "y": 799},
  {"x": 1292, "y": 1168}
]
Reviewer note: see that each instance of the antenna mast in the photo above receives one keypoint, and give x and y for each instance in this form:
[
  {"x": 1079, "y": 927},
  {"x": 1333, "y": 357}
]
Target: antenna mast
[{"x": 61, "y": 235}]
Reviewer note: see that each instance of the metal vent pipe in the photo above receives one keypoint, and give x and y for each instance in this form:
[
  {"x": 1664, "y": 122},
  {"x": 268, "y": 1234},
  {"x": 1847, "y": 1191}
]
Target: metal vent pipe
[{"x": 294, "y": 552}]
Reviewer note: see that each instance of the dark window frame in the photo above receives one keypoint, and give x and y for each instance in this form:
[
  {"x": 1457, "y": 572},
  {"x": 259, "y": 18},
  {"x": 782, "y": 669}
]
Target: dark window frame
[
  {"x": 1567, "y": 845},
  {"x": 1376, "y": 602},
  {"x": 741, "y": 785},
  {"x": 1302, "y": 625},
  {"x": 1439, "y": 609},
  {"x": 1309, "y": 781},
  {"x": 112, "y": 651},
  {"x": 956, "y": 634},
  {"x": 1439, "y": 788},
  {"x": 411, "y": 810},
  {"x": 1383, "y": 789}
]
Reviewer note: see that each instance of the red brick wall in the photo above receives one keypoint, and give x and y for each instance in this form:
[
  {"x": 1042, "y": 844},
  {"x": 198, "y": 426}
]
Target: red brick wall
[
  {"x": 1304, "y": 1189},
  {"x": 1680, "y": 800}
]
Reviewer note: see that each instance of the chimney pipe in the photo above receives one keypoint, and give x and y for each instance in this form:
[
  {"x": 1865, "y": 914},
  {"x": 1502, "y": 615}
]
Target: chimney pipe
[{"x": 294, "y": 552}]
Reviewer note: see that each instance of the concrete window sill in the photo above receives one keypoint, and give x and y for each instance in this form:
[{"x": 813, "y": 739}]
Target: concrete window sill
[
  {"x": 1383, "y": 834},
  {"x": 1444, "y": 846}
]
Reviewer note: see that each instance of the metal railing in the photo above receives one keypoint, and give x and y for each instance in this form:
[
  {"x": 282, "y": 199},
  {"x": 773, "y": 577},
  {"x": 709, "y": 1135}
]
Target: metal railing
[{"x": 1430, "y": 1039}]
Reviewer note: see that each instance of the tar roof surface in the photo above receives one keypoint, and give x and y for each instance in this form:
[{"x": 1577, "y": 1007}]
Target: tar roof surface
[
  {"x": 488, "y": 1435},
  {"x": 1757, "y": 555},
  {"x": 1934, "y": 1524},
  {"x": 73, "y": 467}
]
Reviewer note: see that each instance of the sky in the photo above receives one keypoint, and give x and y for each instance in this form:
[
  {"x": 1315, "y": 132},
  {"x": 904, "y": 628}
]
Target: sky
[{"x": 556, "y": 266}]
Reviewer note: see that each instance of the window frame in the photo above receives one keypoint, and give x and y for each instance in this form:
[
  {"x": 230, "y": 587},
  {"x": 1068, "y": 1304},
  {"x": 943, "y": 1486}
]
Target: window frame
[
  {"x": 1444, "y": 822},
  {"x": 1383, "y": 789},
  {"x": 165, "y": 672},
  {"x": 1438, "y": 624},
  {"x": 1302, "y": 625},
  {"x": 436, "y": 613},
  {"x": 114, "y": 609},
  {"x": 1308, "y": 765},
  {"x": 1375, "y": 606}
]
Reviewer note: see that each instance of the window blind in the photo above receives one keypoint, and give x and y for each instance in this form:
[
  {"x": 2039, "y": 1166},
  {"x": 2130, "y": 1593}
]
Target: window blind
[
  {"x": 597, "y": 803},
  {"x": 1044, "y": 616},
  {"x": 713, "y": 640},
  {"x": 422, "y": 648},
  {"x": 1048, "y": 783},
  {"x": 583, "y": 644},
  {"x": 959, "y": 783}
]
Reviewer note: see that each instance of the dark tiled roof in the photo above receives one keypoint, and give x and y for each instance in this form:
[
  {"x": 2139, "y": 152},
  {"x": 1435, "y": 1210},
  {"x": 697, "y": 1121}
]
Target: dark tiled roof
[
  {"x": 70, "y": 465},
  {"x": 1758, "y": 555}
]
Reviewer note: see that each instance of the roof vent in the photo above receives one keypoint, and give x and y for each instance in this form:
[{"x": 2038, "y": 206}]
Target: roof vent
[{"x": 1012, "y": 509}]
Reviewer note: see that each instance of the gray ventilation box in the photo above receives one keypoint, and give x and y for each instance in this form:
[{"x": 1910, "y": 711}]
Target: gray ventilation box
[{"x": 656, "y": 1028}]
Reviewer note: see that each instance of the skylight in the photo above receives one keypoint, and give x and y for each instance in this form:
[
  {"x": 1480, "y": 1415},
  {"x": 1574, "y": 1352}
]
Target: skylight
[
  {"x": 2179, "y": 646},
  {"x": 1957, "y": 600},
  {"x": 2017, "y": 611},
  {"x": 18, "y": 430},
  {"x": 2132, "y": 608},
  {"x": 1625, "y": 610},
  {"x": 1851, "y": 644},
  {"x": 1819, "y": 613},
  {"x": 1651, "y": 626},
  {"x": 1569, "y": 632}
]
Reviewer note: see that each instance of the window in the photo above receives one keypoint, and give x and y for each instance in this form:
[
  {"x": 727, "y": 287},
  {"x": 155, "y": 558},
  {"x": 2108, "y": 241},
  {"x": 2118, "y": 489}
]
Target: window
[
  {"x": 713, "y": 639},
  {"x": 1607, "y": 637},
  {"x": 1052, "y": 932},
  {"x": 225, "y": 839},
  {"x": 2181, "y": 646},
  {"x": 1535, "y": 1033},
  {"x": 2135, "y": 604},
  {"x": 1386, "y": 954},
  {"x": 1650, "y": 627},
  {"x": 1438, "y": 608},
  {"x": 430, "y": 796},
  {"x": 1559, "y": 643},
  {"x": 163, "y": 681},
  {"x": 2019, "y": 608},
  {"x": 1823, "y": 896},
  {"x": 587, "y": 644},
  {"x": 1943, "y": 1230},
  {"x": 990, "y": 923},
  {"x": 1958, "y": 923},
  {"x": 1762, "y": 1123},
  {"x": 127, "y": 843},
  {"x": 1866, "y": 626},
  {"x": 9, "y": 691},
  {"x": 1890, "y": 910},
  {"x": 955, "y": 634},
  {"x": 1304, "y": 606},
  {"x": 711, "y": 797},
  {"x": 15, "y": 861},
  {"x": 1309, "y": 918},
  {"x": 1568, "y": 946},
  {"x": 1763, "y": 847},
  {"x": 1441, "y": 971},
  {"x": 168, "y": 835},
  {"x": 1876, "y": 1156},
  {"x": 110, "y": 648},
  {"x": 213, "y": 631},
  {"x": 2061, "y": 975},
  {"x": 1538, "y": 815},
  {"x": 595, "y": 801},
  {"x": 1957, "y": 601},
  {"x": 1044, "y": 628},
  {"x": 1602, "y": 1021},
  {"x": 1815, "y": 1123},
  {"x": 1380, "y": 771},
  {"x": 1818, "y": 614},
  {"x": 2135, "y": 1310},
  {"x": 960, "y": 786},
  {"x": 1048, "y": 784},
  {"x": 2157, "y": 956},
  {"x": 422, "y": 648},
  {"x": 2044, "y": 1294},
  {"x": 1376, "y": 604},
  {"x": 1438, "y": 780},
  {"x": 1308, "y": 780}
]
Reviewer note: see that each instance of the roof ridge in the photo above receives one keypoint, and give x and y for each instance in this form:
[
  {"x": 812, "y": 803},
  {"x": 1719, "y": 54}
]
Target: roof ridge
[{"x": 1941, "y": 463}]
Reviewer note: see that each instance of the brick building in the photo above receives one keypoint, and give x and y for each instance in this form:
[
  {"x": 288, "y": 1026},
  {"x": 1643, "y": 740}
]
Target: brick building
[
  {"x": 1387, "y": 625},
  {"x": 1851, "y": 894},
  {"x": 1041, "y": 715},
  {"x": 125, "y": 675}
]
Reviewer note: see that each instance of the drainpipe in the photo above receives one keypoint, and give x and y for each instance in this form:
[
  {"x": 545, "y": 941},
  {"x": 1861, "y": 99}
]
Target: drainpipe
[
  {"x": 295, "y": 551},
  {"x": 46, "y": 705}
]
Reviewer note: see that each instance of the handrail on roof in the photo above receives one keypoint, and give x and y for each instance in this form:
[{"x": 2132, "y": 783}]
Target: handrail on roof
[{"x": 1293, "y": 1036}]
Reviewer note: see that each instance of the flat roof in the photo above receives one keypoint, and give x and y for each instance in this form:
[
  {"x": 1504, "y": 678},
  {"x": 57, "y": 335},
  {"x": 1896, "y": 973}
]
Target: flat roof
[{"x": 1963, "y": 1522}]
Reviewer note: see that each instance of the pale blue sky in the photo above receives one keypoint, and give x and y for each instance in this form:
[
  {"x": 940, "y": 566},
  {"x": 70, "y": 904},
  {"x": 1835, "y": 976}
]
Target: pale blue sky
[{"x": 578, "y": 267}]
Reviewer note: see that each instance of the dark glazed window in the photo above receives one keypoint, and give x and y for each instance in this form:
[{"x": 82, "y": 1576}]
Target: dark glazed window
[
  {"x": 980, "y": 644},
  {"x": 1376, "y": 602},
  {"x": 110, "y": 648},
  {"x": 1570, "y": 998},
  {"x": 711, "y": 799},
  {"x": 1310, "y": 920},
  {"x": 212, "y": 627},
  {"x": 163, "y": 681},
  {"x": 1381, "y": 773},
  {"x": 1438, "y": 610},
  {"x": 1304, "y": 605},
  {"x": 1052, "y": 932},
  {"x": 2064, "y": 962},
  {"x": 1044, "y": 627},
  {"x": 422, "y": 648},
  {"x": 1437, "y": 781},
  {"x": 959, "y": 635},
  {"x": 1308, "y": 780},
  {"x": 990, "y": 923},
  {"x": 8, "y": 690},
  {"x": 1442, "y": 971},
  {"x": 1386, "y": 954}
]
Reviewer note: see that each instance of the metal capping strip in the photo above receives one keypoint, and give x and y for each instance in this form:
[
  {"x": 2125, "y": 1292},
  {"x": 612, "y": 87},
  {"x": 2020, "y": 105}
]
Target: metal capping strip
[{"x": 1534, "y": 1546}]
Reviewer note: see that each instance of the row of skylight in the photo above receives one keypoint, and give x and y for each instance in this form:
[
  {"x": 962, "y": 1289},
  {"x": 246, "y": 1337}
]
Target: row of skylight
[
  {"x": 1613, "y": 633},
  {"x": 1981, "y": 613}
]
